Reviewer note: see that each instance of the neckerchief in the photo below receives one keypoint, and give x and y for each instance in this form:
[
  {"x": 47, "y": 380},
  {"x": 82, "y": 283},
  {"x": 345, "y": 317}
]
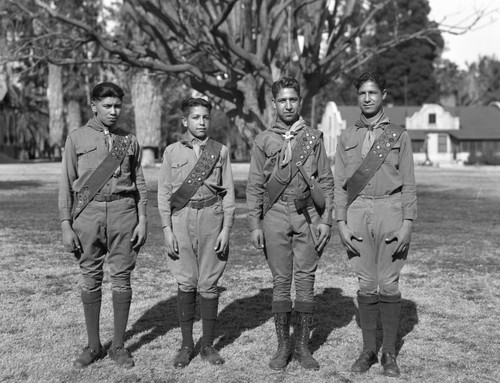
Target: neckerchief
[
  {"x": 97, "y": 124},
  {"x": 377, "y": 121},
  {"x": 288, "y": 133}
]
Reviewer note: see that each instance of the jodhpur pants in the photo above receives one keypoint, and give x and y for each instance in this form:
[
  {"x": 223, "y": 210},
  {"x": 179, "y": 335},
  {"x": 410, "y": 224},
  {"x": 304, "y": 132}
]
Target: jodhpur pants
[
  {"x": 374, "y": 218},
  {"x": 198, "y": 266},
  {"x": 291, "y": 254},
  {"x": 105, "y": 230}
]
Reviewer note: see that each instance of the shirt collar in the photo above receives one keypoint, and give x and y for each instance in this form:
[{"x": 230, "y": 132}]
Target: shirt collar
[{"x": 188, "y": 138}]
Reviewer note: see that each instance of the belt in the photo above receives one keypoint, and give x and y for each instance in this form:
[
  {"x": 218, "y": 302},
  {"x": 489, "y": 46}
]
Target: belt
[
  {"x": 112, "y": 197},
  {"x": 384, "y": 196},
  {"x": 204, "y": 203},
  {"x": 293, "y": 197}
]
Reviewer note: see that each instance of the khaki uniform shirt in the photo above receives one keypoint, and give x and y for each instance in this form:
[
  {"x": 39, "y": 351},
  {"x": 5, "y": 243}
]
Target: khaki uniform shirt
[
  {"x": 265, "y": 153},
  {"x": 179, "y": 160},
  {"x": 394, "y": 175},
  {"x": 84, "y": 150}
]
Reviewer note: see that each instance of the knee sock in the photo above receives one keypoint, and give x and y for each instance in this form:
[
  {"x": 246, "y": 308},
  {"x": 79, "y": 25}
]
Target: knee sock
[
  {"x": 368, "y": 315},
  {"x": 208, "y": 308},
  {"x": 185, "y": 312},
  {"x": 92, "y": 310},
  {"x": 121, "y": 308},
  {"x": 390, "y": 310}
]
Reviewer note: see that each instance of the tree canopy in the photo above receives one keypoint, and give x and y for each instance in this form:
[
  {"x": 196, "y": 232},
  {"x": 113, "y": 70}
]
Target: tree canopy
[
  {"x": 409, "y": 66},
  {"x": 230, "y": 49}
]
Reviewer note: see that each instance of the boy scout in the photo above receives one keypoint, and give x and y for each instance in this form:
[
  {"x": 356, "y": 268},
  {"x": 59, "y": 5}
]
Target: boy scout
[
  {"x": 196, "y": 203},
  {"x": 375, "y": 205},
  {"x": 102, "y": 206},
  {"x": 288, "y": 160}
]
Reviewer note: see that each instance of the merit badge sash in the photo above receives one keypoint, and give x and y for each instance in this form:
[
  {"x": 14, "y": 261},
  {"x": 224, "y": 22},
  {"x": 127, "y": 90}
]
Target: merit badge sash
[
  {"x": 101, "y": 175},
  {"x": 303, "y": 148},
  {"x": 372, "y": 162},
  {"x": 198, "y": 175}
]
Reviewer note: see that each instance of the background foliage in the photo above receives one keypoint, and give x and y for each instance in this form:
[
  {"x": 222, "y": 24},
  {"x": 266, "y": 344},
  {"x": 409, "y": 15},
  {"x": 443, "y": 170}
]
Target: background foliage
[{"x": 229, "y": 50}]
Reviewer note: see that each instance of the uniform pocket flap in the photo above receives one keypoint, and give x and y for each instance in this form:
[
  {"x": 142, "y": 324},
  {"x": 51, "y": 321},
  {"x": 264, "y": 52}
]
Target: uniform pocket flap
[
  {"x": 179, "y": 163},
  {"x": 272, "y": 149},
  {"x": 85, "y": 149}
]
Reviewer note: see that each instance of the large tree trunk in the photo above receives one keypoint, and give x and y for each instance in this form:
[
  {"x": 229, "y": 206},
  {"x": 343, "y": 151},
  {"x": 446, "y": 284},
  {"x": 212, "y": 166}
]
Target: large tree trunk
[
  {"x": 147, "y": 100},
  {"x": 74, "y": 115},
  {"x": 56, "y": 109}
]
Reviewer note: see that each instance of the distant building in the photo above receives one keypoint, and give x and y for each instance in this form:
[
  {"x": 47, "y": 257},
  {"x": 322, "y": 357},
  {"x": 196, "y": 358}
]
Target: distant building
[{"x": 440, "y": 136}]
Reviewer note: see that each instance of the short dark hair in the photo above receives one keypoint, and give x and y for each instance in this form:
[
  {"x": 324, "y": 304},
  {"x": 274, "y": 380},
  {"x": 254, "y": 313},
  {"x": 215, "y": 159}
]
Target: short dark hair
[
  {"x": 191, "y": 102},
  {"x": 370, "y": 76},
  {"x": 285, "y": 82},
  {"x": 107, "y": 89}
]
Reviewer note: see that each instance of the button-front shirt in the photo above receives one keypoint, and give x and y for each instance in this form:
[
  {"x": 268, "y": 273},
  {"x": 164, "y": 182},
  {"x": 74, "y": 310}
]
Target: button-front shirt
[
  {"x": 265, "y": 153},
  {"x": 394, "y": 175},
  {"x": 84, "y": 151},
  {"x": 179, "y": 160}
]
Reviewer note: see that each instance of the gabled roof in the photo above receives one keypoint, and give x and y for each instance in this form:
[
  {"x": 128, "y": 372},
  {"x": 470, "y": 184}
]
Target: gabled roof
[{"x": 476, "y": 123}]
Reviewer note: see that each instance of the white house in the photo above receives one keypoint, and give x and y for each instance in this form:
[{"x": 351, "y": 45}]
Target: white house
[{"x": 441, "y": 136}]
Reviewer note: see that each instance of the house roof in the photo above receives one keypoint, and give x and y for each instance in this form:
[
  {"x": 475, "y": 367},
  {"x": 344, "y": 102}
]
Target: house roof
[{"x": 476, "y": 123}]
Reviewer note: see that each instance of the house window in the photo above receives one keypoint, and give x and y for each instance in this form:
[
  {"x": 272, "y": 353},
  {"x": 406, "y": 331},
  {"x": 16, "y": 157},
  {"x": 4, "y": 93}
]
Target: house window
[
  {"x": 417, "y": 146},
  {"x": 443, "y": 143},
  {"x": 432, "y": 118}
]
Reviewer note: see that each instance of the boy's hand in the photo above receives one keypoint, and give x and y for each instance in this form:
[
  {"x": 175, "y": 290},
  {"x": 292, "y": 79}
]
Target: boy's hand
[
  {"x": 322, "y": 236},
  {"x": 258, "y": 239},
  {"x": 347, "y": 237},
  {"x": 171, "y": 243},
  {"x": 140, "y": 233},
  {"x": 70, "y": 240},
  {"x": 222, "y": 243},
  {"x": 402, "y": 236}
]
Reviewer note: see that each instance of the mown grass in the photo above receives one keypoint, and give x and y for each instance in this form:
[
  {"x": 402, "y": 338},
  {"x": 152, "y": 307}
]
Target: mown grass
[{"x": 451, "y": 288}]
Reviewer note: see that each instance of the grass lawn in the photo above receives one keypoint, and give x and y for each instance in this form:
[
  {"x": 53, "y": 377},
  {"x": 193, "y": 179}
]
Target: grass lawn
[{"x": 451, "y": 288}]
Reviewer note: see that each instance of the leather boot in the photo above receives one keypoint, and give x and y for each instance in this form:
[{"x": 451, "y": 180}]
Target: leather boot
[
  {"x": 302, "y": 329},
  {"x": 282, "y": 355}
]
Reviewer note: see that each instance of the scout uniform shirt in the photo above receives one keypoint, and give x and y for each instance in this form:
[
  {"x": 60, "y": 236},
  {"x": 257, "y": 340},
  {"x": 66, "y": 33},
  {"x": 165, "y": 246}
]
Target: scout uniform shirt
[
  {"x": 84, "y": 150},
  {"x": 179, "y": 160},
  {"x": 265, "y": 154},
  {"x": 394, "y": 175}
]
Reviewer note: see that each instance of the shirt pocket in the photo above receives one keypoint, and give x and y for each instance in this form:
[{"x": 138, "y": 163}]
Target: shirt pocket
[
  {"x": 311, "y": 165},
  {"x": 179, "y": 170},
  {"x": 393, "y": 156},
  {"x": 352, "y": 153},
  {"x": 216, "y": 173},
  {"x": 272, "y": 151},
  {"x": 87, "y": 157},
  {"x": 126, "y": 164}
]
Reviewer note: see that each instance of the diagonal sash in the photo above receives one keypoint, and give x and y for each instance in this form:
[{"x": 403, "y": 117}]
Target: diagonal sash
[
  {"x": 372, "y": 162},
  {"x": 101, "y": 175},
  {"x": 198, "y": 175},
  {"x": 276, "y": 186}
]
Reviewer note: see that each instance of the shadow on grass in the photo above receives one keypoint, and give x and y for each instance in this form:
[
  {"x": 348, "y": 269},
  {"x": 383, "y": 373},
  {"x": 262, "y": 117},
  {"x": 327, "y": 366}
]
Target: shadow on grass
[
  {"x": 155, "y": 322},
  {"x": 407, "y": 322},
  {"x": 333, "y": 311},
  {"x": 11, "y": 185},
  {"x": 244, "y": 314}
]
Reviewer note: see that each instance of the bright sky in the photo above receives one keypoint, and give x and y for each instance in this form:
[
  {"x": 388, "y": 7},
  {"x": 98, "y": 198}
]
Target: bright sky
[{"x": 483, "y": 40}]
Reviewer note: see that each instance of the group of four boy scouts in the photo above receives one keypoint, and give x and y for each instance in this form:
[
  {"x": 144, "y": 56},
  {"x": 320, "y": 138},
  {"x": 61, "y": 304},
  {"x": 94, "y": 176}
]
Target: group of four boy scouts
[{"x": 291, "y": 194}]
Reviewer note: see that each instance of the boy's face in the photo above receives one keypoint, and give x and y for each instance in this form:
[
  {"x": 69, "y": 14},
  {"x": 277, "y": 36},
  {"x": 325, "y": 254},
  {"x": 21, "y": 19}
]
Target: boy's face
[
  {"x": 107, "y": 110},
  {"x": 197, "y": 121},
  {"x": 287, "y": 105},
  {"x": 370, "y": 98}
]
